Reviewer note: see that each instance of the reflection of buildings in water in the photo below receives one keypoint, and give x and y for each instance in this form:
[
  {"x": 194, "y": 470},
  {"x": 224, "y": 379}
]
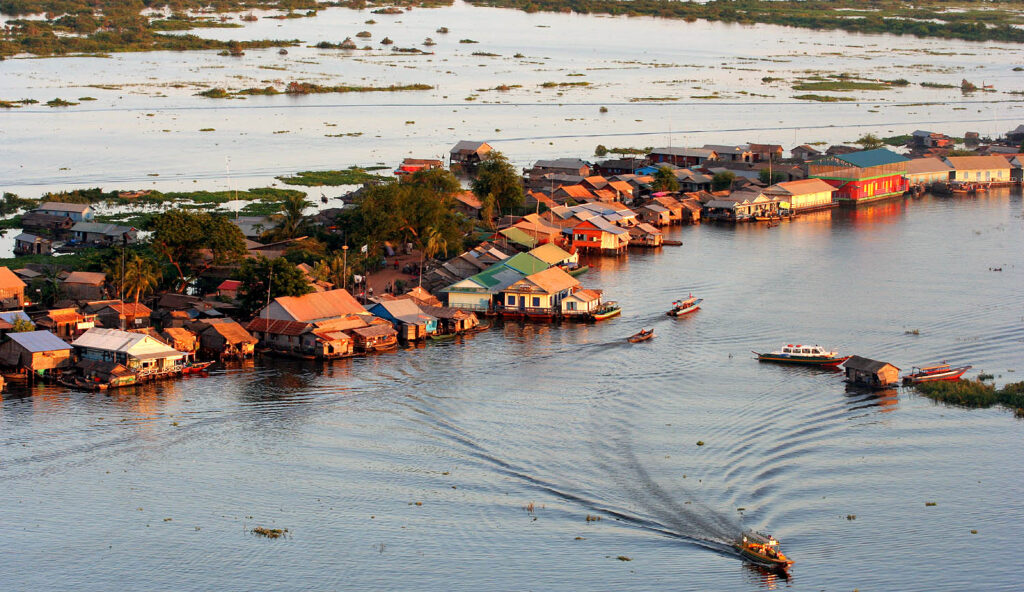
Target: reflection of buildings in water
[
  {"x": 885, "y": 399},
  {"x": 147, "y": 400},
  {"x": 875, "y": 212}
]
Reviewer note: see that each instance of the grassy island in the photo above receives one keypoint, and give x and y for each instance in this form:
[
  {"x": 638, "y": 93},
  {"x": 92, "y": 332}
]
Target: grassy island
[
  {"x": 970, "y": 20},
  {"x": 975, "y": 393}
]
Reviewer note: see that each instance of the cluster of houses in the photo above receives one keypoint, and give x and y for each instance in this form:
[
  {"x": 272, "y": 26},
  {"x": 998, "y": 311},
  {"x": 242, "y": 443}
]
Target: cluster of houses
[
  {"x": 760, "y": 185},
  {"x": 56, "y": 224},
  {"x": 89, "y": 341}
]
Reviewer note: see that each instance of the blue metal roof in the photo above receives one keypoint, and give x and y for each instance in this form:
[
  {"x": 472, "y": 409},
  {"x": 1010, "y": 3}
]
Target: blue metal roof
[
  {"x": 870, "y": 158},
  {"x": 12, "y": 315},
  {"x": 38, "y": 341}
]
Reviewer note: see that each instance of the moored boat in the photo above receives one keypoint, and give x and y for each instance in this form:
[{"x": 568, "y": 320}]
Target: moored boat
[
  {"x": 195, "y": 367},
  {"x": 762, "y": 549},
  {"x": 685, "y": 307},
  {"x": 935, "y": 373},
  {"x": 606, "y": 311},
  {"x": 810, "y": 355},
  {"x": 442, "y": 336},
  {"x": 643, "y": 335}
]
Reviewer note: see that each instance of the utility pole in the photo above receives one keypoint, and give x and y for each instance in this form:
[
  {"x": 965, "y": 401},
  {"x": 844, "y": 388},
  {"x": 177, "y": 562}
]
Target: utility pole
[{"x": 344, "y": 273}]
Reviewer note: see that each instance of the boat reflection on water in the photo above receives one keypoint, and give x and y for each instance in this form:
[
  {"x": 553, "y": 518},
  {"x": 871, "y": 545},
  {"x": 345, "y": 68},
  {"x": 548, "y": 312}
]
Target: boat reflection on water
[{"x": 766, "y": 577}]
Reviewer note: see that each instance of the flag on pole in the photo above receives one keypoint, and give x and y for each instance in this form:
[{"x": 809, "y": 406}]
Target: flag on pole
[{"x": 363, "y": 249}]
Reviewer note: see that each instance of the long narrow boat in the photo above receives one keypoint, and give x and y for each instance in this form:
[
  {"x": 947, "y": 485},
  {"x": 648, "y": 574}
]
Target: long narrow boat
[
  {"x": 685, "y": 307},
  {"x": 195, "y": 367},
  {"x": 606, "y": 311},
  {"x": 762, "y": 549},
  {"x": 579, "y": 271},
  {"x": 935, "y": 373},
  {"x": 808, "y": 355},
  {"x": 643, "y": 335}
]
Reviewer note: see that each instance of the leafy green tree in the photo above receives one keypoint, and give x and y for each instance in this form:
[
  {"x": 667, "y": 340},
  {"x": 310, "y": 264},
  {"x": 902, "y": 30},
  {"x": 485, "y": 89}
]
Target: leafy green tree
[
  {"x": 722, "y": 181},
  {"x": 192, "y": 242},
  {"x": 434, "y": 242},
  {"x": 870, "y": 142},
  {"x": 141, "y": 276},
  {"x": 279, "y": 276},
  {"x": 601, "y": 150},
  {"x": 291, "y": 220},
  {"x": 665, "y": 180},
  {"x": 496, "y": 176},
  {"x": 22, "y": 326},
  {"x": 331, "y": 270},
  {"x": 771, "y": 178},
  {"x": 402, "y": 213},
  {"x": 439, "y": 181}
]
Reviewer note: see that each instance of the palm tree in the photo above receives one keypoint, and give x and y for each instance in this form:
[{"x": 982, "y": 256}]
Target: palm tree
[
  {"x": 141, "y": 276},
  {"x": 435, "y": 242},
  {"x": 290, "y": 219}
]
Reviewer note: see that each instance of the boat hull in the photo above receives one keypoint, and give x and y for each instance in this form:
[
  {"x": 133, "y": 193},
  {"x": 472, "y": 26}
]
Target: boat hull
[
  {"x": 689, "y": 306},
  {"x": 600, "y": 316},
  {"x": 640, "y": 337}
]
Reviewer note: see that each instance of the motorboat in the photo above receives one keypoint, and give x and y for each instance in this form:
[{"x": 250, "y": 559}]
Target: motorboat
[
  {"x": 685, "y": 307},
  {"x": 762, "y": 549},
  {"x": 935, "y": 373},
  {"x": 809, "y": 355}
]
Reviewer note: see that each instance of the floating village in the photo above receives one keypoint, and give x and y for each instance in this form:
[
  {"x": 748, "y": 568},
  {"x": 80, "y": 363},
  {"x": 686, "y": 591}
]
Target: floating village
[{"x": 98, "y": 329}]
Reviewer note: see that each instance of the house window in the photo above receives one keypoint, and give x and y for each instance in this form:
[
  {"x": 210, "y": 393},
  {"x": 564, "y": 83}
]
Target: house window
[
  {"x": 570, "y": 305},
  {"x": 536, "y": 301},
  {"x": 511, "y": 300},
  {"x": 580, "y": 237}
]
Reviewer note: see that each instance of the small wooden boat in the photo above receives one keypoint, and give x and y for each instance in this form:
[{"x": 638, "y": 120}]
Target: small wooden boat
[
  {"x": 607, "y": 310},
  {"x": 685, "y": 307},
  {"x": 195, "y": 367},
  {"x": 442, "y": 336},
  {"x": 579, "y": 271},
  {"x": 935, "y": 373},
  {"x": 762, "y": 549},
  {"x": 803, "y": 354},
  {"x": 643, "y": 335}
]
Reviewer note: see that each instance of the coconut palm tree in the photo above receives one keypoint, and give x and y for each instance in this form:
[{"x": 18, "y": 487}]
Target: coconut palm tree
[
  {"x": 434, "y": 242},
  {"x": 290, "y": 219},
  {"x": 141, "y": 276}
]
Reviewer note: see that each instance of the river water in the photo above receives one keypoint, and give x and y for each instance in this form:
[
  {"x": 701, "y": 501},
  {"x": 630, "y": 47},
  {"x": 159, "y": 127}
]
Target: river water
[
  {"x": 145, "y": 128},
  {"x": 474, "y": 465}
]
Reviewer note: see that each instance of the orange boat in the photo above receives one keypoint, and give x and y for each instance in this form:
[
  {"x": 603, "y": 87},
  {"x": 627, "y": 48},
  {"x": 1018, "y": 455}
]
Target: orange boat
[{"x": 762, "y": 549}]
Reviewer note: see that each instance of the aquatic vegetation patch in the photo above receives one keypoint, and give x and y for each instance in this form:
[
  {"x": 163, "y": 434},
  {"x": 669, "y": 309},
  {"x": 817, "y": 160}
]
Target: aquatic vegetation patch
[
  {"x": 350, "y": 176},
  {"x": 270, "y": 533},
  {"x": 563, "y": 84},
  {"x": 822, "y": 98},
  {"x": 937, "y": 85},
  {"x": 975, "y": 394},
  {"x": 840, "y": 86}
]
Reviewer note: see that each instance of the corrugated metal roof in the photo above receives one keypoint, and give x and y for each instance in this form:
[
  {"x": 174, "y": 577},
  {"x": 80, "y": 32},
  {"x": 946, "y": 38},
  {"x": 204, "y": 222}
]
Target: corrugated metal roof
[
  {"x": 9, "y": 280},
  {"x": 865, "y": 364},
  {"x": 525, "y": 263},
  {"x": 59, "y": 206},
  {"x": 870, "y": 158},
  {"x": 320, "y": 305},
  {"x": 14, "y": 315},
  {"x": 550, "y": 253},
  {"x": 122, "y": 341},
  {"x": 39, "y": 341},
  {"x": 100, "y": 228},
  {"x": 978, "y": 163},
  {"x": 553, "y": 280},
  {"x": 519, "y": 236},
  {"x": 86, "y": 277}
]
